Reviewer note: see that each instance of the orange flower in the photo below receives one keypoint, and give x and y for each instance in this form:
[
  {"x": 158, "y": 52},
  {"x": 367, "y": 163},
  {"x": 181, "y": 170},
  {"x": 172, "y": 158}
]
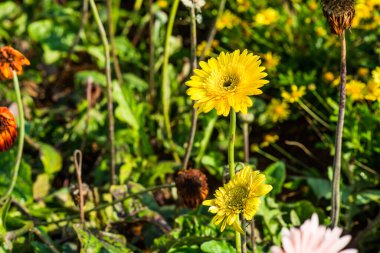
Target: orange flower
[
  {"x": 11, "y": 59},
  {"x": 192, "y": 187},
  {"x": 8, "y": 129}
]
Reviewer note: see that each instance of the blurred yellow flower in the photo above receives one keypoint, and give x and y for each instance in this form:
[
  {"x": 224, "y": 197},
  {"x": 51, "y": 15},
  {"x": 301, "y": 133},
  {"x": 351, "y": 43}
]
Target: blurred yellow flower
[
  {"x": 372, "y": 91},
  {"x": 356, "y": 90},
  {"x": 294, "y": 95},
  {"x": 227, "y": 20},
  {"x": 269, "y": 139},
  {"x": 162, "y": 4},
  {"x": 227, "y": 82},
  {"x": 277, "y": 111},
  {"x": 312, "y": 86},
  {"x": 240, "y": 195},
  {"x": 376, "y": 75},
  {"x": 266, "y": 17},
  {"x": 363, "y": 72},
  {"x": 364, "y": 9},
  {"x": 202, "y": 46},
  {"x": 243, "y": 5},
  {"x": 271, "y": 60},
  {"x": 313, "y": 5},
  {"x": 320, "y": 31},
  {"x": 336, "y": 81},
  {"x": 328, "y": 76}
]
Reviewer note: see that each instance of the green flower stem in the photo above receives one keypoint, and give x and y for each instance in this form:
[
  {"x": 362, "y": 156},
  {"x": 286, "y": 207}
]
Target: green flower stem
[
  {"x": 111, "y": 127},
  {"x": 21, "y": 137},
  {"x": 231, "y": 163},
  {"x": 335, "y": 200},
  {"x": 321, "y": 100},
  {"x": 205, "y": 140},
  {"x": 231, "y": 144},
  {"x": 194, "y": 64},
  {"x": 243, "y": 220},
  {"x": 165, "y": 88},
  {"x": 288, "y": 155},
  {"x": 312, "y": 114},
  {"x": 315, "y": 110}
]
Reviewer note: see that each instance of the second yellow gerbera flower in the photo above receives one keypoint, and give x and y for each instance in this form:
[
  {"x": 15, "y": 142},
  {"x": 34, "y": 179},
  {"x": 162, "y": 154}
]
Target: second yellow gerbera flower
[
  {"x": 240, "y": 195},
  {"x": 227, "y": 81}
]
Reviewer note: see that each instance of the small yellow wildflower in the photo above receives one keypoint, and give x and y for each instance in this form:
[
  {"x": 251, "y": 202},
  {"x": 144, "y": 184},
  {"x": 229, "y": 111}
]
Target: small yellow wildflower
[
  {"x": 328, "y": 76},
  {"x": 336, "y": 81},
  {"x": 227, "y": 82},
  {"x": 267, "y": 17},
  {"x": 271, "y": 60},
  {"x": 240, "y": 195},
  {"x": 363, "y": 72},
  {"x": 227, "y": 20},
  {"x": 277, "y": 111},
  {"x": 162, "y": 4},
  {"x": 356, "y": 89},
  {"x": 269, "y": 139},
  {"x": 320, "y": 31},
  {"x": 294, "y": 95},
  {"x": 372, "y": 91},
  {"x": 312, "y": 87},
  {"x": 243, "y": 5},
  {"x": 202, "y": 46},
  {"x": 313, "y": 5}
]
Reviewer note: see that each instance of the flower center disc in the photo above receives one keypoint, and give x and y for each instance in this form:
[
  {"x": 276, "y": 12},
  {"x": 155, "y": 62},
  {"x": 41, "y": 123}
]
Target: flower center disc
[
  {"x": 229, "y": 83},
  {"x": 236, "y": 198}
]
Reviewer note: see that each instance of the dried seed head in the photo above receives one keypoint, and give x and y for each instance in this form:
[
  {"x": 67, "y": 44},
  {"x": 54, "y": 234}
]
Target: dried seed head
[
  {"x": 192, "y": 187},
  {"x": 339, "y": 14},
  {"x": 74, "y": 191}
]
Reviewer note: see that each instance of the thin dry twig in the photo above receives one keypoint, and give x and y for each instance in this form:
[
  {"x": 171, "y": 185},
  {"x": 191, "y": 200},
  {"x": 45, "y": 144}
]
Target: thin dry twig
[
  {"x": 78, "y": 168},
  {"x": 89, "y": 105}
]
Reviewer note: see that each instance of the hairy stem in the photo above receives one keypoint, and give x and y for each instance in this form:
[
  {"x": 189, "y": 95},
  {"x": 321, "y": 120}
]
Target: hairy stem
[
  {"x": 20, "y": 147},
  {"x": 111, "y": 129},
  {"x": 194, "y": 64},
  {"x": 335, "y": 200}
]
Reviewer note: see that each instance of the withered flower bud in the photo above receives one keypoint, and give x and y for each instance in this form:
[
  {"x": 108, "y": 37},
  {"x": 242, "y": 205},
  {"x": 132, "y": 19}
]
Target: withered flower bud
[
  {"x": 192, "y": 187},
  {"x": 74, "y": 191},
  {"x": 339, "y": 14}
]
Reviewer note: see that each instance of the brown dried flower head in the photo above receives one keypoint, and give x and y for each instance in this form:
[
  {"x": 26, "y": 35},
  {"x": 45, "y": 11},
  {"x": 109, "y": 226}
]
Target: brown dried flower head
[
  {"x": 11, "y": 59},
  {"x": 192, "y": 187},
  {"x": 339, "y": 14},
  {"x": 8, "y": 129}
]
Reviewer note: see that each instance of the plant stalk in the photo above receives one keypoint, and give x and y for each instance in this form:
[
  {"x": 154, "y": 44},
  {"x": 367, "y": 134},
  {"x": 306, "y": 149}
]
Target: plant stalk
[
  {"x": 152, "y": 85},
  {"x": 111, "y": 127},
  {"x": 335, "y": 200},
  {"x": 20, "y": 146},
  {"x": 194, "y": 65}
]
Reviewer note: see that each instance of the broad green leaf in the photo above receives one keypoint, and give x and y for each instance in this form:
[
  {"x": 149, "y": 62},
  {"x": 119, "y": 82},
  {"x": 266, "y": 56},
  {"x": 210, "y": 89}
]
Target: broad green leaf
[
  {"x": 102, "y": 242},
  {"x": 123, "y": 111},
  {"x": 320, "y": 187},
  {"x": 217, "y": 247},
  {"x": 23, "y": 187},
  {"x": 276, "y": 176},
  {"x": 41, "y": 186},
  {"x": 40, "y": 30},
  {"x": 50, "y": 158}
]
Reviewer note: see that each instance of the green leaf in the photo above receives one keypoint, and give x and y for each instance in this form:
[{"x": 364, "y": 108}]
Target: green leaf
[
  {"x": 276, "y": 174},
  {"x": 102, "y": 242},
  {"x": 41, "y": 186},
  {"x": 294, "y": 218},
  {"x": 123, "y": 111},
  {"x": 50, "y": 158},
  {"x": 23, "y": 188},
  {"x": 320, "y": 187},
  {"x": 217, "y": 247},
  {"x": 40, "y": 30}
]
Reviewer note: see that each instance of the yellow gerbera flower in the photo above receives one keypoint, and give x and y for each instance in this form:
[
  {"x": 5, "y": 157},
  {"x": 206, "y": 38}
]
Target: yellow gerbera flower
[
  {"x": 372, "y": 91},
  {"x": 227, "y": 81},
  {"x": 240, "y": 195},
  {"x": 294, "y": 95}
]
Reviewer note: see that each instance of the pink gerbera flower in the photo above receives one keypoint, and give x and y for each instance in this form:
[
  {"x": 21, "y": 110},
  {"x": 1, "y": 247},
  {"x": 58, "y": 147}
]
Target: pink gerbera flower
[{"x": 313, "y": 238}]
